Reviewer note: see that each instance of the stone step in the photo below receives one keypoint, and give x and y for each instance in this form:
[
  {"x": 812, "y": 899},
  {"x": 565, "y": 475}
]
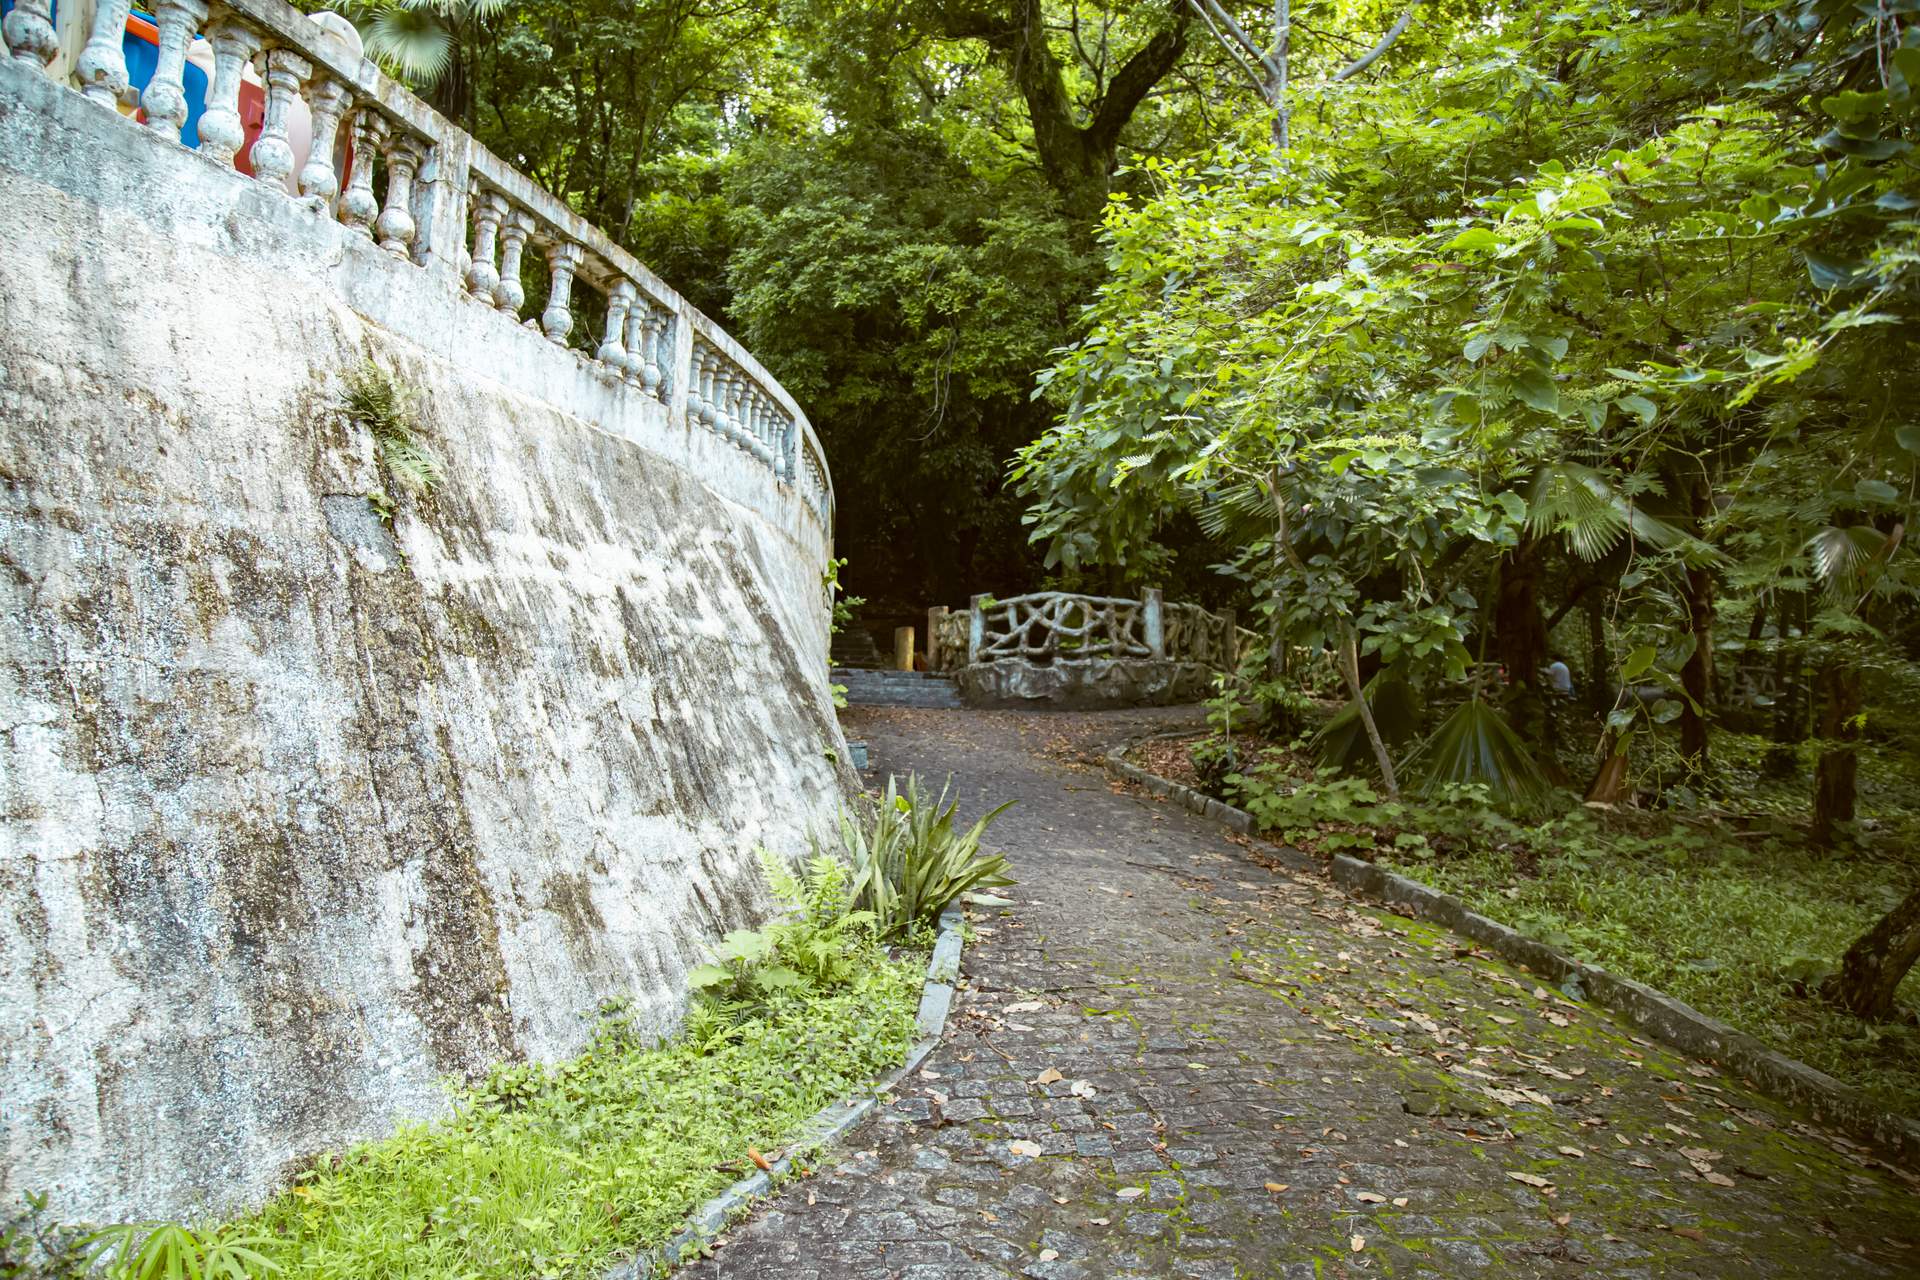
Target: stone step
[{"x": 897, "y": 688}]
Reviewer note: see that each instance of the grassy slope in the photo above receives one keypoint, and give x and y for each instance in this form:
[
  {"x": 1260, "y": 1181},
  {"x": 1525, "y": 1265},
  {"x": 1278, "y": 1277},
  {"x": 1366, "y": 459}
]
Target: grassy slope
[{"x": 561, "y": 1171}]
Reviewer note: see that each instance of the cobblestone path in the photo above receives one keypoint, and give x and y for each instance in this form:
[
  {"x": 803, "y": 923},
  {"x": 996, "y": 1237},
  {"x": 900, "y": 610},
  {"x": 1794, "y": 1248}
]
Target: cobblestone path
[{"x": 1172, "y": 1061}]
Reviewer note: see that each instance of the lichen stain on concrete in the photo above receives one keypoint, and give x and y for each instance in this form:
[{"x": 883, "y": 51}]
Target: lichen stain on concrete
[{"x": 302, "y": 811}]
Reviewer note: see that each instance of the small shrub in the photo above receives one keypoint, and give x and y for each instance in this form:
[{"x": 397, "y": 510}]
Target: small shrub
[
  {"x": 818, "y": 942},
  {"x": 1213, "y": 759},
  {"x": 376, "y": 402},
  {"x": 909, "y": 863}
]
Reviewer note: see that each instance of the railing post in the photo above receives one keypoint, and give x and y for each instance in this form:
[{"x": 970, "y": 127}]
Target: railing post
[
  {"x": 29, "y": 33},
  {"x": 936, "y": 620},
  {"x": 903, "y": 648},
  {"x": 977, "y": 629},
  {"x": 440, "y": 202},
  {"x": 1230, "y": 642},
  {"x": 102, "y": 69},
  {"x": 1154, "y": 623}
]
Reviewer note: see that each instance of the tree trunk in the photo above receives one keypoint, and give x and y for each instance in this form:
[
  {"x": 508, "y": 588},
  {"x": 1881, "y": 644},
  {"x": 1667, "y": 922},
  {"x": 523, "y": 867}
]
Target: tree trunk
[
  {"x": 1874, "y": 965},
  {"x": 1599, "y": 658},
  {"x": 1609, "y": 785},
  {"x": 1350, "y": 664},
  {"x": 1696, "y": 677},
  {"x": 1519, "y": 632},
  {"x": 1839, "y": 728}
]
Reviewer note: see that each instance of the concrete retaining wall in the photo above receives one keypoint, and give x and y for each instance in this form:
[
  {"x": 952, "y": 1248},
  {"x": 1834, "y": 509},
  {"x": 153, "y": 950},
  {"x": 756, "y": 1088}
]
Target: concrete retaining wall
[{"x": 303, "y": 811}]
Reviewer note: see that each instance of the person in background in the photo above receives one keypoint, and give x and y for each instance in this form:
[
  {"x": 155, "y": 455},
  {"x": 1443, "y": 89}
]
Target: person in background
[{"x": 1559, "y": 678}]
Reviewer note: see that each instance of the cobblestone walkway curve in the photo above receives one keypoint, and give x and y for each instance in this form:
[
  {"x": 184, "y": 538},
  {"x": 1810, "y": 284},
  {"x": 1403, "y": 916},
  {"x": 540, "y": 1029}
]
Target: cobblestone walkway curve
[{"x": 1172, "y": 1061}]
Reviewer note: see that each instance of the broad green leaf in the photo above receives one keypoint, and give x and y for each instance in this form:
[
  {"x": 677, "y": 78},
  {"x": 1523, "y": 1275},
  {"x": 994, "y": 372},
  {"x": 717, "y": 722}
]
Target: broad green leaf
[
  {"x": 1640, "y": 407},
  {"x": 1638, "y": 662},
  {"x": 1536, "y": 389}
]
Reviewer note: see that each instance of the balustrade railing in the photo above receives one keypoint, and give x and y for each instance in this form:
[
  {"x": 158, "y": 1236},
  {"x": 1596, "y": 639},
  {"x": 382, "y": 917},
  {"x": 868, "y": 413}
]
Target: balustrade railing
[
  {"x": 1047, "y": 626},
  {"x": 442, "y": 200}
]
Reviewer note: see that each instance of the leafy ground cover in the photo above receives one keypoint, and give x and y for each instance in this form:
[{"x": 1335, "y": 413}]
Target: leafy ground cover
[
  {"x": 1729, "y": 908},
  {"x": 561, "y": 1170}
]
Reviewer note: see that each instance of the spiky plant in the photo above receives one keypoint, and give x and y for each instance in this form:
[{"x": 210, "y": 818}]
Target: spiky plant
[{"x": 1476, "y": 745}]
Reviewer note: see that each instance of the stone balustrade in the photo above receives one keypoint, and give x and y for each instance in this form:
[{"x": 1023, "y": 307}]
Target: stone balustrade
[{"x": 428, "y": 193}]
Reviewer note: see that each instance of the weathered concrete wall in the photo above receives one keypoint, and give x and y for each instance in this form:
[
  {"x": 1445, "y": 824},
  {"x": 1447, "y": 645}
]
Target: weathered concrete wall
[
  {"x": 302, "y": 813},
  {"x": 1083, "y": 684}
]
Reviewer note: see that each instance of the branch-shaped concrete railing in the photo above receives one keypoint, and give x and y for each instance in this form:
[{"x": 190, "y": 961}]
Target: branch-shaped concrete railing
[
  {"x": 1047, "y": 625},
  {"x": 445, "y": 203}
]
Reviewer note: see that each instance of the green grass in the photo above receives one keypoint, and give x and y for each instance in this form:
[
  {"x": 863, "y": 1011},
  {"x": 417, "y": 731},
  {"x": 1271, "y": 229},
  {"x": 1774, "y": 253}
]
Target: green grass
[
  {"x": 1722, "y": 903},
  {"x": 564, "y": 1170},
  {"x": 1736, "y": 930}
]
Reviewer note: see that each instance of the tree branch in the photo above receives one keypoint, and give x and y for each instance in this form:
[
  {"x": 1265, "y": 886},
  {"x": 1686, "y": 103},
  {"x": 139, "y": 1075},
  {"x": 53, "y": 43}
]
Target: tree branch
[
  {"x": 1132, "y": 81},
  {"x": 1233, "y": 48},
  {"x": 1366, "y": 59}
]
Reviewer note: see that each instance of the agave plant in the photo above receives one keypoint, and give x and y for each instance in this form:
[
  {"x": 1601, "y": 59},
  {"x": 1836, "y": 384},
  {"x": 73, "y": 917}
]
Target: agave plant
[{"x": 910, "y": 862}]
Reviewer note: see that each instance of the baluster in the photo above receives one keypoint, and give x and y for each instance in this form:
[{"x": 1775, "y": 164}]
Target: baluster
[
  {"x": 564, "y": 258},
  {"x": 29, "y": 33},
  {"x": 483, "y": 278},
  {"x": 789, "y": 445},
  {"x": 395, "y": 228},
  {"x": 165, "y": 100},
  {"x": 639, "y": 334},
  {"x": 650, "y": 374},
  {"x": 510, "y": 295},
  {"x": 102, "y": 69},
  {"x": 221, "y": 132},
  {"x": 696, "y": 381},
  {"x": 723, "y": 407},
  {"x": 613, "y": 347},
  {"x": 272, "y": 156},
  {"x": 358, "y": 207},
  {"x": 709, "y": 376},
  {"x": 328, "y": 99},
  {"x": 737, "y": 406}
]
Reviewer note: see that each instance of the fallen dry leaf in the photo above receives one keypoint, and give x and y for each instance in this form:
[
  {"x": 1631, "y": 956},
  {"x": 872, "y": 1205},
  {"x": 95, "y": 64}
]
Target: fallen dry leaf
[
  {"x": 1369, "y": 1197},
  {"x": 1048, "y": 1255},
  {"x": 1025, "y": 1006},
  {"x": 1277, "y": 1187},
  {"x": 1048, "y": 1076},
  {"x": 753, "y": 1154},
  {"x": 1717, "y": 1179},
  {"x": 1399, "y": 1202},
  {"x": 1531, "y": 1179},
  {"x": 1575, "y": 1152},
  {"x": 1357, "y": 1243}
]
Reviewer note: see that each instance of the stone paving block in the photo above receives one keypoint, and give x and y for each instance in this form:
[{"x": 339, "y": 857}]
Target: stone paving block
[{"x": 1286, "y": 1098}]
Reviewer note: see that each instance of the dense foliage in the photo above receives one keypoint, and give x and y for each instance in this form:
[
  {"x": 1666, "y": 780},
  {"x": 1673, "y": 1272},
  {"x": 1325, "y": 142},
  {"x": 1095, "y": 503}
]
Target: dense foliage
[{"x": 1558, "y": 345}]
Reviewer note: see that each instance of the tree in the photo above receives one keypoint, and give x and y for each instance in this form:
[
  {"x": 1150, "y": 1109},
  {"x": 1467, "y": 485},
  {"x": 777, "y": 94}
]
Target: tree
[
  {"x": 1871, "y": 971},
  {"x": 1661, "y": 339}
]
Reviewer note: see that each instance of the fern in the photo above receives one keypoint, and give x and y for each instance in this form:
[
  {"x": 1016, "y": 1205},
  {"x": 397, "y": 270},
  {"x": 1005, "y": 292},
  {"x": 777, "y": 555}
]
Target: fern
[{"x": 377, "y": 403}]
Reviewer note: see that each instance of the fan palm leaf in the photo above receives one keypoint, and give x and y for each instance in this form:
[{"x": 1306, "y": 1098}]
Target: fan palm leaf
[{"x": 1476, "y": 745}]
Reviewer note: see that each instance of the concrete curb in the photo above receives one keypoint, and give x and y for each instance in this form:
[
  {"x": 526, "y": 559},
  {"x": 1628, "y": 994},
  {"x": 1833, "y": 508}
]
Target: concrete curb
[
  {"x": 1674, "y": 1021},
  {"x": 826, "y": 1126}
]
